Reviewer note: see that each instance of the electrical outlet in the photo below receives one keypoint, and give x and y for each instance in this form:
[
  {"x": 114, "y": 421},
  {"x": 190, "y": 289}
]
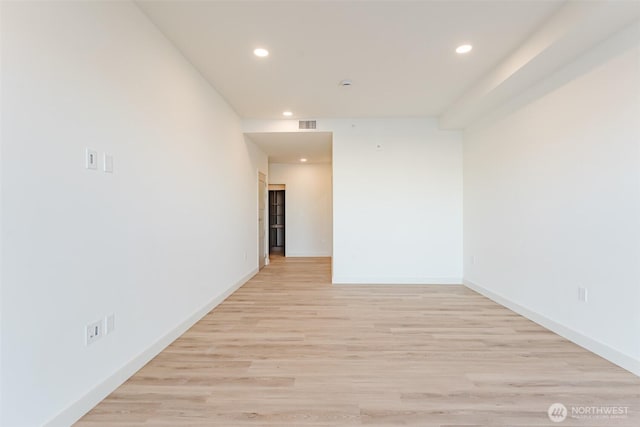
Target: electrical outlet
[
  {"x": 109, "y": 323},
  {"x": 583, "y": 294},
  {"x": 94, "y": 332}
]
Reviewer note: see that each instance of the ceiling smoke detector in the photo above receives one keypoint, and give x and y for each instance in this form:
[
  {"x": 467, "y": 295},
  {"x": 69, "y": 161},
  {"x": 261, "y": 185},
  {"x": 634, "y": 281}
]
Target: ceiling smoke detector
[{"x": 346, "y": 83}]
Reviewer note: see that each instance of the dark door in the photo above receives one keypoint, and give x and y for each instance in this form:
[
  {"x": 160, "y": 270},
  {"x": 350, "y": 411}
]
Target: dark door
[{"x": 276, "y": 222}]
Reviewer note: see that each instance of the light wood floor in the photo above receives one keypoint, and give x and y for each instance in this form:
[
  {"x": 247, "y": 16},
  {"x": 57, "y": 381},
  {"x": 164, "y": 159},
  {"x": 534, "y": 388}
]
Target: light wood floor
[{"x": 289, "y": 349}]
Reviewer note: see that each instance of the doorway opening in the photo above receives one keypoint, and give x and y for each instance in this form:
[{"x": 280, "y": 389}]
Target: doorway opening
[
  {"x": 298, "y": 221},
  {"x": 277, "y": 224},
  {"x": 262, "y": 196}
]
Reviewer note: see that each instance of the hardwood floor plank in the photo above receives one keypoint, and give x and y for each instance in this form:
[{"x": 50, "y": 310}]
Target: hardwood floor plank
[{"x": 290, "y": 349}]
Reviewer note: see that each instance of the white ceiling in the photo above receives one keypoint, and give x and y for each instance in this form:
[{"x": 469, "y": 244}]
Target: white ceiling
[
  {"x": 290, "y": 147},
  {"x": 399, "y": 54}
]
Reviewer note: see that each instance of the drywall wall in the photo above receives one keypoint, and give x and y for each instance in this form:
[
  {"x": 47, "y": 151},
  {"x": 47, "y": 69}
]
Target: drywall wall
[
  {"x": 397, "y": 187},
  {"x": 1, "y": 222},
  {"x": 397, "y": 199},
  {"x": 308, "y": 215},
  {"x": 261, "y": 161},
  {"x": 552, "y": 204},
  {"x": 157, "y": 243}
]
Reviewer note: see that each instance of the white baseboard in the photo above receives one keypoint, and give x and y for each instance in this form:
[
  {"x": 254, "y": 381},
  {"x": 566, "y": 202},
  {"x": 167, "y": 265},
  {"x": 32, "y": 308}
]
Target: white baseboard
[
  {"x": 76, "y": 410},
  {"x": 307, "y": 254},
  {"x": 603, "y": 350},
  {"x": 350, "y": 280}
]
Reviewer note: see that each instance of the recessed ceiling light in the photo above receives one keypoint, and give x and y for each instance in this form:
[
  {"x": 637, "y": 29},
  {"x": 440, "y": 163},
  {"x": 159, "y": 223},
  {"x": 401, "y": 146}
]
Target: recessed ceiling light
[
  {"x": 346, "y": 83},
  {"x": 260, "y": 52},
  {"x": 287, "y": 113},
  {"x": 465, "y": 48},
  {"x": 303, "y": 160}
]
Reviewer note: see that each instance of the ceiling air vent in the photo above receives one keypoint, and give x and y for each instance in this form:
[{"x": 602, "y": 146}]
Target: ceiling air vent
[{"x": 306, "y": 124}]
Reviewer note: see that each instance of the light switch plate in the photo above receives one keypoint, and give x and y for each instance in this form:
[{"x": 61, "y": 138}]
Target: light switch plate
[
  {"x": 91, "y": 159},
  {"x": 110, "y": 323},
  {"x": 108, "y": 163}
]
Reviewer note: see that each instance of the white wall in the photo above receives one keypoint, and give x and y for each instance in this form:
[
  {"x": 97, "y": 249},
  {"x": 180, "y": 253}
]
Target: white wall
[
  {"x": 397, "y": 186},
  {"x": 156, "y": 243},
  {"x": 397, "y": 208},
  {"x": 308, "y": 213},
  {"x": 552, "y": 203},
  {"x": 260, "y": 159}
]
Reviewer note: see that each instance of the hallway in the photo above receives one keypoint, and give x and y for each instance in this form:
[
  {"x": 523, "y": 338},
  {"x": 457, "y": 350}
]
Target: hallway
[{"x": 290, "y": 349}]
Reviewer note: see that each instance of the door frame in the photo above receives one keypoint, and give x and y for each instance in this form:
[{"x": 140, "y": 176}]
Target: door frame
[
  {"x": 264, "y": 251},
  {"x": 270, "y": 188}
]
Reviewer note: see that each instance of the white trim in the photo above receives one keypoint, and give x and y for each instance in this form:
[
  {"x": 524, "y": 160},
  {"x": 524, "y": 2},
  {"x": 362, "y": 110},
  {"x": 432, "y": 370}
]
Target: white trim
[
  {"x": 266, "y": 219},
  {"x": 307, "y": 254},
  {"x": 76, "y": 410},
  {"x": 603, "y": 350},
  {"x": 349, "y": 280}
]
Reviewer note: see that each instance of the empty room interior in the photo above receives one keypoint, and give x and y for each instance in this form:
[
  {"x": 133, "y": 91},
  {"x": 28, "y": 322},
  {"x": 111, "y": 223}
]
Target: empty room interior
[{"x": 320, "y": 213}]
